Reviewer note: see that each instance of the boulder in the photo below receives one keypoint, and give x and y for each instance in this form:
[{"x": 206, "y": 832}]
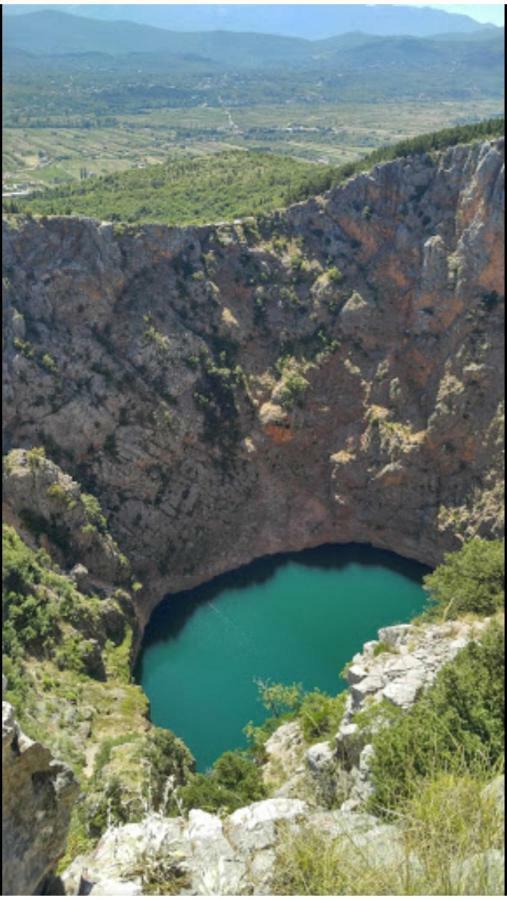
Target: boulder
[{"x": 253, "y": 827}]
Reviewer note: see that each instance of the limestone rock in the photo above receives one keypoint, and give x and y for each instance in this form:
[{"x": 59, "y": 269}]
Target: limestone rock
[
  {"x": 480, "y": 874},
  {"x": 209, "y": 856},
  {"x": 253, "y": 827},
  {"x": 285, "y": 751},
  {"x": 495, "y": 792},
  {"x": 37, "y": 487},
  {"x": 320, "y": 757},
  {"x": 412, "y": 658},
  {"x": 37, "y": 798}
]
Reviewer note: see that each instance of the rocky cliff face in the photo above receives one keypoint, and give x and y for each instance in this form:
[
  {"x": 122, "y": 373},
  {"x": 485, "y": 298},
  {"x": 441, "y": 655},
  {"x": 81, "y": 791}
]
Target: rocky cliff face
[
  {"x": 329, "y": 373},
  {"x": 37, "y": 798}
]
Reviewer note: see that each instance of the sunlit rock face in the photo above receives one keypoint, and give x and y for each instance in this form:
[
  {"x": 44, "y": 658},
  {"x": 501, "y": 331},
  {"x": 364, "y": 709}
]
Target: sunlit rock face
[
  {"x": 331, "y": 372},
  {"x": 37, "y": 798}
]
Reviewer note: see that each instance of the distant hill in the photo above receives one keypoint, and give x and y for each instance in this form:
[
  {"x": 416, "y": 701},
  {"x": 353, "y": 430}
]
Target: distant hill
[
  {"x": 125, "y": 68},
  {"x": 54, "y": 33},
  {"x": 306, "y": 21}
]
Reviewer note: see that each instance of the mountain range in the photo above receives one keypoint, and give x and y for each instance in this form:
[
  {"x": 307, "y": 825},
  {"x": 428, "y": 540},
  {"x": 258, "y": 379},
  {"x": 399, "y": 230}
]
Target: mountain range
[
  {"x": 55, "y": 33},
  {"x": 313, "y": 22}
]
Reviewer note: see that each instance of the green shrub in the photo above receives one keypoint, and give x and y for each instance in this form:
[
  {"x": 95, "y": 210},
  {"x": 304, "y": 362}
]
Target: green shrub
[
  {"x": 469, "y": 580},
  {"x": 93, "y": 510},
  {"x": 320, "y": 715},
  {"x": 49, "y": 363},
  {"x": 234, "y": 781},
  {"x": 293, "y": 389},
  {"x": 168, "y": 758},
  {"x": 24, "y": 347},
  {"x": 57, "y": 492},
  {"x": 73, "y": 653},
  {"x": 107, "y": 746},
  {"x": 334, "y": 275},
  {"x": 29, "y": 611},
  {"x": 35, "y": 456},
  {"x": 383, "y": 647},
  {"x": 106, "y": 807}
]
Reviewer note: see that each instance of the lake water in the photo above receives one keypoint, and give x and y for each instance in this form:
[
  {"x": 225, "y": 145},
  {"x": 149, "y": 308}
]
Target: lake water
[{"x": 297, "y": 617}]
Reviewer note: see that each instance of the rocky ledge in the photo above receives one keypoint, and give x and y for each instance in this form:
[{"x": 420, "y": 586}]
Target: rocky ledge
[{"x": 204, "y": 855}]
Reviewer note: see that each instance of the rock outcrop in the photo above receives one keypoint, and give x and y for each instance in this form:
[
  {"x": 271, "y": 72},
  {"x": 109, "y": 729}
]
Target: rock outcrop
[
  {"x": 327, "y": 373},
  {"x": 203, "y": 854},
  {"x": 214, "y": 857},
  {"x": 38, "y": 794}
]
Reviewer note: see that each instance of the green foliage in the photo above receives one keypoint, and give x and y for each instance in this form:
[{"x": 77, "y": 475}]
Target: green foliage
[
  {"x": 56, "y": 492},
  {"x": 334, "y": 275},
  {"x": 234, "y": 781},
  {"x": 205, "y": 189},
  {"x": 73, "y": 653},
  {"x": 49, "y": 363},
  {"x": 294, "y": 383},
  {"x": 167, "y": 758},
  {"x": 383, "y": 647},
  {"x": 118, "y": 657},
  {"x": 162, "y": 872},
  {"x": 79, "y": 841},
  {"x": 456, "y": 726},
  {"x": 93, "y": 511},
  {"x": 424, "y": 143},
  {"x": 29, "y": 607},
  {"x": 160, "y": 341},
  {"x": 469, "y": 580},
  {"x": 24, "y": 347},
  {"x": 320, "y": 715},
  {"x": 89, "y": 528},
  {"x": 279, "y": 698},
  {"x": 34, "y": 456},
  {"x": 108, "y": 807},
  {"x": 44, "y": 615},
  {"x": 221, "y": 187}
]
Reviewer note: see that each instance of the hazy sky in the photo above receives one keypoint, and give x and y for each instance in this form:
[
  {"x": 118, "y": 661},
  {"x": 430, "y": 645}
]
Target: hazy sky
[{"x": 483, "y": 12}]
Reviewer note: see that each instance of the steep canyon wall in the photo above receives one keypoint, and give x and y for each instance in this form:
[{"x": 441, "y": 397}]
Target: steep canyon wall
[{"x": 331, "y": 372}]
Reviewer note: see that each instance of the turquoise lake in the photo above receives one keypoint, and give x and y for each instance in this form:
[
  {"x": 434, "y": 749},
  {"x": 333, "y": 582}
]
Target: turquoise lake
[{"x": 297, "y": 617}]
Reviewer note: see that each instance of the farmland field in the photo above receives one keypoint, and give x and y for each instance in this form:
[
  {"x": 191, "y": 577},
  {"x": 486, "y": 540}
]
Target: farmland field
[{"x": 42, "y": 157}]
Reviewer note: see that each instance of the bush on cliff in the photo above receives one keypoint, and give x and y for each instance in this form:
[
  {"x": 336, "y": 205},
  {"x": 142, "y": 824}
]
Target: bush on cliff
[
  {"x": 233, "y": 781},
  {"x": 471, "y": 580}
]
